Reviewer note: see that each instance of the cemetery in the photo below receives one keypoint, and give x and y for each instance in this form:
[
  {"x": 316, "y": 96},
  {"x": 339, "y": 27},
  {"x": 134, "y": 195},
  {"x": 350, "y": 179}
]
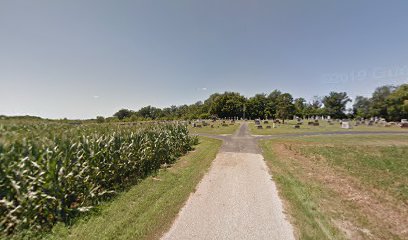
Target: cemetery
[
  {"x": 324, "y": 124},
  {"x": 213, "y": 126},
  {"x": 203, "y": 120}
]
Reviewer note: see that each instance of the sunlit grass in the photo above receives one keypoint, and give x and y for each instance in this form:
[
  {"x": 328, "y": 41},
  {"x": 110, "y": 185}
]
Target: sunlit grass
[{"x": 324, "y": 126}]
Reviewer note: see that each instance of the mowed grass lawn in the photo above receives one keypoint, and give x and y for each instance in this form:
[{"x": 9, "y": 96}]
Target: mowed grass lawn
[
  {"x": 148, "y": 209},
  {"x": 216, "y": 129},
  {"x": 288, "y": 128},
  {"x": 343, "y": 187}
]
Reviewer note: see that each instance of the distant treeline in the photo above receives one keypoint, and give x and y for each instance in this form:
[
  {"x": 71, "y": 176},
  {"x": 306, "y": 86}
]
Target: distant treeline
[{"x": 387, "y": 102}]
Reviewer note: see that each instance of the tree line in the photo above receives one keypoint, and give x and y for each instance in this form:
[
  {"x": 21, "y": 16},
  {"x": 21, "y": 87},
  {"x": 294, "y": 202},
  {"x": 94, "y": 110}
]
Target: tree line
[{"x": 389, "y": 102}]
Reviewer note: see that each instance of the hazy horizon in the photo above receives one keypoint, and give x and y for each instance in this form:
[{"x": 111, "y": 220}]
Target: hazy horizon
[{"x": 82, "y": 59}]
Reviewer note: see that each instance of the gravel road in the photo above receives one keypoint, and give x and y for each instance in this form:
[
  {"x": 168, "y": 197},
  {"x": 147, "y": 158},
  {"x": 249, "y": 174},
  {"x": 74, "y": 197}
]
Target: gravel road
[{"x": 236, "y": 199}]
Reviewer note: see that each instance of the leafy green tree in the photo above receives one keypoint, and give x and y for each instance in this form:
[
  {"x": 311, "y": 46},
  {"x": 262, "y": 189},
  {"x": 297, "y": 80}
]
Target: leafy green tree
[
  {"x": 123, "y": 113},
  {"x": 335, "y": 104},
  {"x": 150, "y": 112},
  {"x": 397, "y": 103},
  {"x": 284, "y": 106},
  {"x": 378, "y": 101},
  {"x": 300, "y": 106},
  {"x": 361, "y": 107},
  {"x": 314, "y": 107},
  {"x": 227, "y": 105},
  {"x": 100, "y": 119},
  {"x": 270, "y": 108},
  {"x": 256, "y": 106}
]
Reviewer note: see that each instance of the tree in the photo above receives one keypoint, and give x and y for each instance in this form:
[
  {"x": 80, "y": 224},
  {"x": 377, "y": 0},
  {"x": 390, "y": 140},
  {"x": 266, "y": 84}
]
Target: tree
[
  {"x": 150, "y": 112},
  {"x": 227, "y": 105},
  {"x": 256, "y": 106},
  {"x": 361, "y": 107},
  {"x": 270, "y": 108},
  {"x": 300, "y": 105},
  {"x": 378, "y": 104},
  {"x": 123, "y": 113},
  {"x": 314, "y": 107},
  {"x": 335, "y": 104},
  {"x": 100, "y": 119},
  {"x": 397, "y": 103},
  {"x": 284, "y": 106},
  {"x": 386, "y": 101}
]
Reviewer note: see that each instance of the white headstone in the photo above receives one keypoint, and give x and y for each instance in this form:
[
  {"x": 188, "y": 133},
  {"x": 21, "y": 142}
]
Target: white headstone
[{"x": 345, "y": 125}]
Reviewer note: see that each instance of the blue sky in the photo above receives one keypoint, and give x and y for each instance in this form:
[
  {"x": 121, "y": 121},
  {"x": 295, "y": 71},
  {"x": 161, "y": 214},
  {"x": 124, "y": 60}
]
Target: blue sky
[{"x": 81, "y": 58}]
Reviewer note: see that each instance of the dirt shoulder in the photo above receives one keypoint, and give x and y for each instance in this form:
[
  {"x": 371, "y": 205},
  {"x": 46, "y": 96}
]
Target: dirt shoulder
[{"x": 340, "y": 204}]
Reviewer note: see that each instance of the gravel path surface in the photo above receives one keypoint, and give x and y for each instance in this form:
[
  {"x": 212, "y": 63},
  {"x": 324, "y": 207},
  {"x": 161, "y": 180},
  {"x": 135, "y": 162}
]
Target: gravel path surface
[{"x": 237, "y": 199}]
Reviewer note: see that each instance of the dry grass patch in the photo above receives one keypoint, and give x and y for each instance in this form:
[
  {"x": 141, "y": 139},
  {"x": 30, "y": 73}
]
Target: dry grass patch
[{"x": 353, "y": 191}]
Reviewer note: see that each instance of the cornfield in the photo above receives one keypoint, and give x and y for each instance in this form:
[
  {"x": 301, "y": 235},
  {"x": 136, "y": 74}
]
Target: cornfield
[{"x": 52, "y": 172}]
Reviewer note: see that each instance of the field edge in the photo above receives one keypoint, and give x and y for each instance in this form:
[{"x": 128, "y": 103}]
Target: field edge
[{"x": 156, "y": 201}]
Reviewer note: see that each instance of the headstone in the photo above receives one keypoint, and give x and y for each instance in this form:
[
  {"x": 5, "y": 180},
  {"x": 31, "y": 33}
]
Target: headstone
[
  {"x": 296, "y": 126},
  {"x": 257, "y": 122},
  {"x": 259, "y": 126},
  {"x": 269, "y": 126},
  {"x": 404, "y": 125},
  {"x": 273, "y": 125},
  {"x": 266, "y": 122},
  {"x": 345, "y": 125}
]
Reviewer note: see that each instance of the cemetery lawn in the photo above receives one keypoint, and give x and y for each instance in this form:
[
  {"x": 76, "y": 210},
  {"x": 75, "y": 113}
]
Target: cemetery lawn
[
  {"x": 288, "y": 128},
  {"x": 148, "y": 209},
  {"x": 218, "y": 128},
  {"x": 342, "y": 187}
]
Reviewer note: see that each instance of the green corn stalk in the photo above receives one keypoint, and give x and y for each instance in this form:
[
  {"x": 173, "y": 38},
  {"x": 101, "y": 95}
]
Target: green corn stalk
[{"x": 53, "y": 172}]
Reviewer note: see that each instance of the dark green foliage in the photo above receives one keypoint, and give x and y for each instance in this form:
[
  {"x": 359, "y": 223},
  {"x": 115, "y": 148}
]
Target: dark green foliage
[
  {"x": 284, "y": 106},
  {"x": 397, "y": 103},
  {"x": 387, "y": 101},
  {"x": 228, "y": 105},
  {"x": 123, "y": 113},
  {"x": 100, "y": 119},
  {"x": 300, "y": 107},
  {"x": 378, "y": 101},
  {"x": 361, "y": 107},
  {"x": 335, "y": 104},
  {"x": 256, "y": 107}
]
